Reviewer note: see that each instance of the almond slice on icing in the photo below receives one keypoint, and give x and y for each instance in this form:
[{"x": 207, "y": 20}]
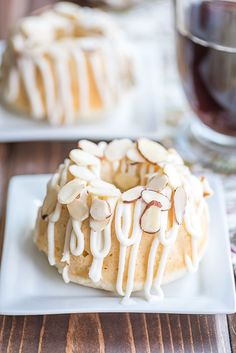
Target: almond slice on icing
[
  {"x": 150, "y": 221},
  {"x": 98, "y": 183},
  {"x": 91, "y": 148},
  {"x": 125, "y": 181},
  {"x": 98, "y": 226},
  {"x": 50, "y": 200},
  {"x": 180, "y": 202},
  {"x": 104, "y": 192},
  {"x": 152, "y": 151},
  {"x": 173, "y": 175},
  {"x": 102, "y": 145},
  {"x": 83, "y": 158},
  {"x": 70, "y": 191},
  {"x": 150, "y": 195},
  {"x": 134, "y": 156},
  {"x": 117, "y": 149},
  {"x": 207, "y": 190},
  {"x": 132, "y": 195},
  {"x": 78, "y": 210},
  {"x": 158, "y": 182},
  {"x": 81, "y": 172},
  {"x": 100, "y": 210},
  {"x": 174, "y": 157}
]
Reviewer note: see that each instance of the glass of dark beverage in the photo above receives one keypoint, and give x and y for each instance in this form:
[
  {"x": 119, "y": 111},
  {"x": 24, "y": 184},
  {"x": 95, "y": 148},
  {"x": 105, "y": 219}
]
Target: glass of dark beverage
[{"x": 206, "y": 57}]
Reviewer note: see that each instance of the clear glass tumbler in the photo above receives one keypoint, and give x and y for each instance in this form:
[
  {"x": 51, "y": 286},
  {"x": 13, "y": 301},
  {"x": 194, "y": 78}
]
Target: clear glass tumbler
[{"x": 206, "y": 58}]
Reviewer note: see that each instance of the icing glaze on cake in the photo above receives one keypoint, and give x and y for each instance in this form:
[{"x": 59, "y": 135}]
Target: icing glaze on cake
[{"x": 121, "y": 195}]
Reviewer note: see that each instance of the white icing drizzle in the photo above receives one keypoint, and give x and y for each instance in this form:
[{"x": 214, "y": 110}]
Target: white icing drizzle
[
  {"x": 125, "y": 241},
  {"x": 193, "y": 227},
  {"x": 13, "y": 86},
  {"x": 101, "y": 85},
  {"x": 172, "y": 234},
  {"x": 48, "y": 83},
  {"x": 123, "y": 212},
  {"x": 100, "y": 245},
  {"x": 150, "y": 268},
  {"x": 65, "y": 274},
  {"x": 76, "y": 238},
  {"x": 166, "y": 239},
  {"x": 28, "y": 72},
  {"x": 82, "y": 79},
  {"x": 64, "y": 98},
  {"x": 54, "y": 217},
  {"x": 66, "y": 250}
]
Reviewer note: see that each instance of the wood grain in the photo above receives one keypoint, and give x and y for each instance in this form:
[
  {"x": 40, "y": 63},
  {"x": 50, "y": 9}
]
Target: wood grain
[{"x": 103, "y": 333}]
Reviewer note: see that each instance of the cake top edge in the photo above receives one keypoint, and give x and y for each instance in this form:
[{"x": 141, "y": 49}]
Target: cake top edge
[
  {"x": 61, "y": 22},
  {"x": 125, "y": 172},
  {"x": 139, "y": 169}
]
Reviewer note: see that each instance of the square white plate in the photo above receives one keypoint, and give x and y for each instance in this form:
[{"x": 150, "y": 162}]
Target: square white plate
[
  {"x": 137, "y": 114},
  {"x": 28, "y": 285}
]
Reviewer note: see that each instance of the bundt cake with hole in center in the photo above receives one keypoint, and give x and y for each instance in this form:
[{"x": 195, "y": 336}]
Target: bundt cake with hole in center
[
  {"x": 65, "y": 64},
  {"x": 124, "y": 216}
]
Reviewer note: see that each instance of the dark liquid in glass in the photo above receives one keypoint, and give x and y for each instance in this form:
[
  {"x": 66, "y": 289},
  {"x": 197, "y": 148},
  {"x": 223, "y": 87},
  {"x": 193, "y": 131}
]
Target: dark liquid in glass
[{"x": 206, "y": 53}]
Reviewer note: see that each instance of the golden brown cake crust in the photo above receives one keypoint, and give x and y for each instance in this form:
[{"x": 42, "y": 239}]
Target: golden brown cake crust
[
  {"x": 79, "y": 265},
  {"x": 124, "y": 216}
]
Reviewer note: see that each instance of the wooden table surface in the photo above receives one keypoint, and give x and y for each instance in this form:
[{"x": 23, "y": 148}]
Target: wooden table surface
[{"x": 115, "y": 333}]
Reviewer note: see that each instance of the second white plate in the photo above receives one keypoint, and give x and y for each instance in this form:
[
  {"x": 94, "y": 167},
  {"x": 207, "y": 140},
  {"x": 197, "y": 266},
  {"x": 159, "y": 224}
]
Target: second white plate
[
  {"x": 142, "y": 112},
  {"x": 28, "y": 285}
]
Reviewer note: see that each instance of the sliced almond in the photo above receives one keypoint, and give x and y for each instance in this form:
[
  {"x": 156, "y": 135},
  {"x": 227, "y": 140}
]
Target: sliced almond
[
  {"x": 173, "y": 176},
  {"x": 100, "y": 210},
  {"x": 102, "y": 145},
  {"x": 50, "y": 200},
  {"x": 70, "y": 191},
  {"x": 91, "y": 148},
  {"x": 117, "y": 149},
  {"x": 83, "y": 158},
  {"x": 98, "y": 226},
  {"x": 150, "y": 221},
  {"x": 180, "y": 202},
  {"x": 104, "y": 192},
  {"x": 84, "y": 195},
  {"x": 81, "y": 172},
  {"x": 150, "y": 195},
  {"x": 174, "y": 157},
  {"x": 134, "y": 156},
  {"x": 132, "y": 195},
  {"x": 152, "y": 151},
  {"x": 207, "y": 190},
  {"x": 98, "y": 183},
  {"x": 125, "y": 181},
  {"x": 158, "y": 182},
  {"x": 78, "y": 210}
]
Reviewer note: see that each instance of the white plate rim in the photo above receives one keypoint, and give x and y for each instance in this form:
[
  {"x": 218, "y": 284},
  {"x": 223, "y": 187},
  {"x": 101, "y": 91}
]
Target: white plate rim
[{"x": 224, "y": 310}]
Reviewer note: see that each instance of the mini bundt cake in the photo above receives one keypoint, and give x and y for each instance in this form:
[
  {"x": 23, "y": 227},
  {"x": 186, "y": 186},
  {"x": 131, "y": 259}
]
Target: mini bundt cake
[
  {"x": 65, "y": 64},
  {"x": 124, "y": 216}
]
